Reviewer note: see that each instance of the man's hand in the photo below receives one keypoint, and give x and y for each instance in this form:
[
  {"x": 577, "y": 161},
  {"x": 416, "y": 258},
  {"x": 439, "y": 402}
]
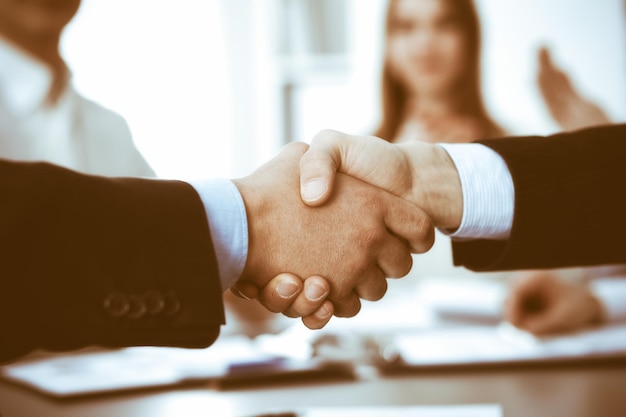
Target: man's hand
[
  {"x": 420, "y": 173},
  {"x": 541, "y": 303},
  {"x": 358, "y": 238},
  {"x": 288, "y": 294}
]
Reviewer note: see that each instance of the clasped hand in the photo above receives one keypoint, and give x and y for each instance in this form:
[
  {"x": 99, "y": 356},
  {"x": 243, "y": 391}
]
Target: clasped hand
[{"x": 344, "y": 212}]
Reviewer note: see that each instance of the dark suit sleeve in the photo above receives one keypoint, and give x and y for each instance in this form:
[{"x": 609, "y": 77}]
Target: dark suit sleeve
[
  {"x": 570, "y": 203},
  {"x": 88, "y": 260}
]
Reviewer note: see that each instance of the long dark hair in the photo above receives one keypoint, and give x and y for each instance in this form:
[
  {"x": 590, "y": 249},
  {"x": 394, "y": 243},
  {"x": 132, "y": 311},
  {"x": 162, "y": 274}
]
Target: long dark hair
[{"x": 469, "y": 100}]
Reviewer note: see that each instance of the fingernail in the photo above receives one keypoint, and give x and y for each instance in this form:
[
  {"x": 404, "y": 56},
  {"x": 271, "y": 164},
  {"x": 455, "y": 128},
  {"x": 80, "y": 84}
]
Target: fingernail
[
  {"x": 322, "y": 313},
  {"x": 286, "y": 289},
  {"x": 315, "y": 292},
  {"x": 314, "y": 189},
  {"x": 241, "y": 294}
]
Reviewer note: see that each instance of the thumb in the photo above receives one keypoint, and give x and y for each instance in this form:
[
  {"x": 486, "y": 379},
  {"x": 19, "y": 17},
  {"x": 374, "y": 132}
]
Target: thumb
[
  {"x": 319, "y": 165},
  {"x": 367, "y": 158}
]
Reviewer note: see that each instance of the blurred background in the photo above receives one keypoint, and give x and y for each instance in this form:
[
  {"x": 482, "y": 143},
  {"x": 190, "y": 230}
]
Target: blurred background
[{"x": 216, "y": 87}]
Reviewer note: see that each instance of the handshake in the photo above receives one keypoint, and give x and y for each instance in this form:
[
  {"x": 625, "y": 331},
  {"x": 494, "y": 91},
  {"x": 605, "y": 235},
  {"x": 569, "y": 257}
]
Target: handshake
[{"x": 344, "y": 214}]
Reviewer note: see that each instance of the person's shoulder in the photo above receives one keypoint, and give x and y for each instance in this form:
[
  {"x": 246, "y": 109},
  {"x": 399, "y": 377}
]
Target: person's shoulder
[{"x": 96, "y": 113}]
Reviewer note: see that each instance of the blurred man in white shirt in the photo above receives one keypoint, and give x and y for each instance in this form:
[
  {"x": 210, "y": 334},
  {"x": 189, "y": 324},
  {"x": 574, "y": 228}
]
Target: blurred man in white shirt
[{"x": 42, "y": 117}]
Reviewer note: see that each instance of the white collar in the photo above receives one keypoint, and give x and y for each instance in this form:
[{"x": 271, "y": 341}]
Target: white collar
[{"x": 25, "y": 81}]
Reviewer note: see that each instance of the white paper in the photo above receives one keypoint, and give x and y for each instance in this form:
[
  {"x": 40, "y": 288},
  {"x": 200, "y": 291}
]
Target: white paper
[
  {"x": 133, "y": 367},
  {"x": 492, "y": 344},
  {"x": 471, "y": 298}
]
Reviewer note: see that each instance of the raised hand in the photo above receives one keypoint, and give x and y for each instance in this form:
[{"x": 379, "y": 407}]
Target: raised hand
[
  {"x": 358, "y": 238},
  {"x": 567, "y": 106}
]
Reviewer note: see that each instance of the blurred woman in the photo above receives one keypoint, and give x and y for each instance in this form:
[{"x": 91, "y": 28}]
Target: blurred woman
[
  {"x": 431, "y": 90},
  {"x": 431, "y": 73}
]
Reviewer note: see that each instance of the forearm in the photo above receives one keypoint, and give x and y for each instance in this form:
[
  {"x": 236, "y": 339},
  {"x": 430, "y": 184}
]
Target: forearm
[
  {"x": 93, "y": 260},
  {"x": 435, "y": 184},
  {"x": 226, "y": 214},
  {"x": 466, "y": 188},
  {"x": 568, "y": 202}
]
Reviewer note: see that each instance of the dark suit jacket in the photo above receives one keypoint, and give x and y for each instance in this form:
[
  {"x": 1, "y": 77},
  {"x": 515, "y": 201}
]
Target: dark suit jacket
[
  {"x": 87, "y": 260},
  {"x": 570, "y": 203}
]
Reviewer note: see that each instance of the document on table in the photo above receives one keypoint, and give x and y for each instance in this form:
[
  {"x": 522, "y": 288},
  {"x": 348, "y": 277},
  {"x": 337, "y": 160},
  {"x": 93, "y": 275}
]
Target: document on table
[
  {"x": 470, "y": 345},
  {"x": 230, "y": 361},
  {"x": 473, "y": 410}
]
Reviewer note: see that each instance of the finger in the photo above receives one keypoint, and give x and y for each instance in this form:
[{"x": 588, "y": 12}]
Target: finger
[
  {"x": 316, "y": 289},
  {"x": 395, "y": 260},
  {"x": 347, "y": 306},
  {"x": 552, "y": 81},
  {"x": 410, "y": 223},
  {"x": 319, "y": 165},
  {"x": 372, "y": 287},
  {"x": 320, "y": 318},
  {"x": 280, "y": 292},
  {"x": 245, "y": 290},
  {"x": 548, "y": 322},
  {"x": 545, "y": 59},
  {"x": 370, "y": 159}
]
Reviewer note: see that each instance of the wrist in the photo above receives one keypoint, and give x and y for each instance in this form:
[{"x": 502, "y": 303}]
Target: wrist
[
  {"x": 255, "y": 207},
  {"x": 435, "y": 185}
]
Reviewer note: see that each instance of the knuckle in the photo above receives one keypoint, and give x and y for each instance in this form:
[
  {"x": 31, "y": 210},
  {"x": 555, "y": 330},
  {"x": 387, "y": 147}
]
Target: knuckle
[
  {"x": 348, "y": 306},
  {"x": 326, "y": 136},
  {"x": 378, "y": 293},
  {"x": 370, "y": 237},
  {"x": 425, "y": 234},
  {"x": 300, "y": 147},
  {"x": 355, "y": 310},
  {"x": 340, "y": 295},
  {"x": 406, "y": 266},
  {"x": 272, "y": 307},
  {"x": 313, "y": 323},
  {"x": 289, "y": 313}
]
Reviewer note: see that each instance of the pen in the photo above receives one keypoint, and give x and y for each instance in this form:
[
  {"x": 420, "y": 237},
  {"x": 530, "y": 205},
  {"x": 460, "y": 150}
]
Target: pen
[{"x": 286, "y": 414}]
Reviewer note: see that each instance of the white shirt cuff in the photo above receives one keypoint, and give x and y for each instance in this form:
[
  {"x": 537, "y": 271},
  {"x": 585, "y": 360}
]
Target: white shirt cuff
[
  {"x": 488, "y": 192},
  {"x": 226, "y": 214},
  {"x": 612, "y": 294}
]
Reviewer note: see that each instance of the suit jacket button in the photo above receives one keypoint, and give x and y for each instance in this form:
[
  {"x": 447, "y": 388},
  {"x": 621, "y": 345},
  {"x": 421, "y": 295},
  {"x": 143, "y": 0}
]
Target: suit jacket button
[
  {"x": 116, "y": 304},
  {"x": 172, "y": 304},
  {"x": 137, "y": 307},
  {"x": 154, "y": 302}
]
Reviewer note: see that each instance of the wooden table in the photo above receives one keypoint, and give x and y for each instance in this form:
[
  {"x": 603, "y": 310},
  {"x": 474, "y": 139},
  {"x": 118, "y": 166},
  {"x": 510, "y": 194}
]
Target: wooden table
[{"x": 574, "y": 390}]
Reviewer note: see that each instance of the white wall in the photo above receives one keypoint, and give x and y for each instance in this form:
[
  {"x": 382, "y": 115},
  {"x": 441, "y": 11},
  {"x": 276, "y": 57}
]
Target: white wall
[
  {"x": 350, "y": 101},
  {"x": 198, "y": 80},
  {"x": 588, "y": 40},
  {"x": 161, "y": 64}
]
